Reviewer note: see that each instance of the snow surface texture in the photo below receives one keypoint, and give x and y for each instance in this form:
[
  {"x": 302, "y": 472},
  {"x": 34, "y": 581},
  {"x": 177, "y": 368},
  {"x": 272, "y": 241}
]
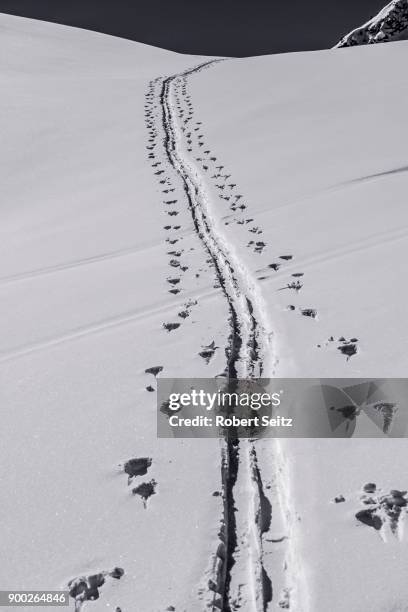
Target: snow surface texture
[
  {"x": 168, "y": 215},
  {"x": 391, "y": 24},
  {"x": 327, "y": 191}
]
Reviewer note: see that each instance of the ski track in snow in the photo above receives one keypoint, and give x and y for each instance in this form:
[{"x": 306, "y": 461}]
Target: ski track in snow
[
  {"x": 98, "y": 327},
  {"x": 238, "y": 579},
  {"x": 77, "y": 263}
]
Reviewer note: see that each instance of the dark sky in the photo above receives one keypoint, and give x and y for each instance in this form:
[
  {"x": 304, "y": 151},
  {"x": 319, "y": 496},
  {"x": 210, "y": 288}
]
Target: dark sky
[{"x": 209, "y": 27}]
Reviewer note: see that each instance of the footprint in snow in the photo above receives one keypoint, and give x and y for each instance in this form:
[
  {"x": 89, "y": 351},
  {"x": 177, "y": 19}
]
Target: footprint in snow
[
  {"x": 259, "y": 246},
  {"x": 383, "y": 512},
  {"x": 171, "y": 326},
  {"x": 305, "y": 312},
  {"x": 309, "y": 312},
  {"x": 145, "y": 491},
  {"x": 155, "y": 370},
  {"x": 86, "y": 588},
  {"x": 296, "y": 285},
  {"x": 208, "y": 352},
  {"x": 138, "y": 466},
  {"x": 346, "y": 347}
]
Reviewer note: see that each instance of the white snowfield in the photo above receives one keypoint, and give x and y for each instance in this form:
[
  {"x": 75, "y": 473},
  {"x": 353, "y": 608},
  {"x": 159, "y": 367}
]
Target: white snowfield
[{"x": 196, "y": 217}]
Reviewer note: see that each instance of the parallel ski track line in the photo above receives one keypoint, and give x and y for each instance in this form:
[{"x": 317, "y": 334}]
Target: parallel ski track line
[
  {"x": 78, "y": 263},
  {"x": 248, "y": 355},
  {"x": 99, "y": 327}
]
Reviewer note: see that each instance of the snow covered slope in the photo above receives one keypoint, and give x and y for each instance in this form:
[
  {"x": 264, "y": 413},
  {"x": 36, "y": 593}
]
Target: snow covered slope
[
  {"x": 166, "y": 215},
  {"x": 83, "y": 271},
  {"x": 317, "y": 147},
  {"x": 390, "y": 24}
]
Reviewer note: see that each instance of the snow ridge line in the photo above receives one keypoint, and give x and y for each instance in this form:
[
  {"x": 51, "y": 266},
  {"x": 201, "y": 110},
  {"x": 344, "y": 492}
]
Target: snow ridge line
[{"x": 240, "y": 580}]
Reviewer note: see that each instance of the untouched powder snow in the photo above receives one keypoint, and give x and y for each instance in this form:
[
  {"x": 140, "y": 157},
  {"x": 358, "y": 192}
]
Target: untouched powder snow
[
  {"x": 166, "y": 215},
  {"x": 390, "y": 24}
]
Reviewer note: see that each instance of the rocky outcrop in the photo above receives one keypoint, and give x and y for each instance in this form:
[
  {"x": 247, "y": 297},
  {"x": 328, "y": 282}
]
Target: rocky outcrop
[{"x": 390, "y": 24}]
